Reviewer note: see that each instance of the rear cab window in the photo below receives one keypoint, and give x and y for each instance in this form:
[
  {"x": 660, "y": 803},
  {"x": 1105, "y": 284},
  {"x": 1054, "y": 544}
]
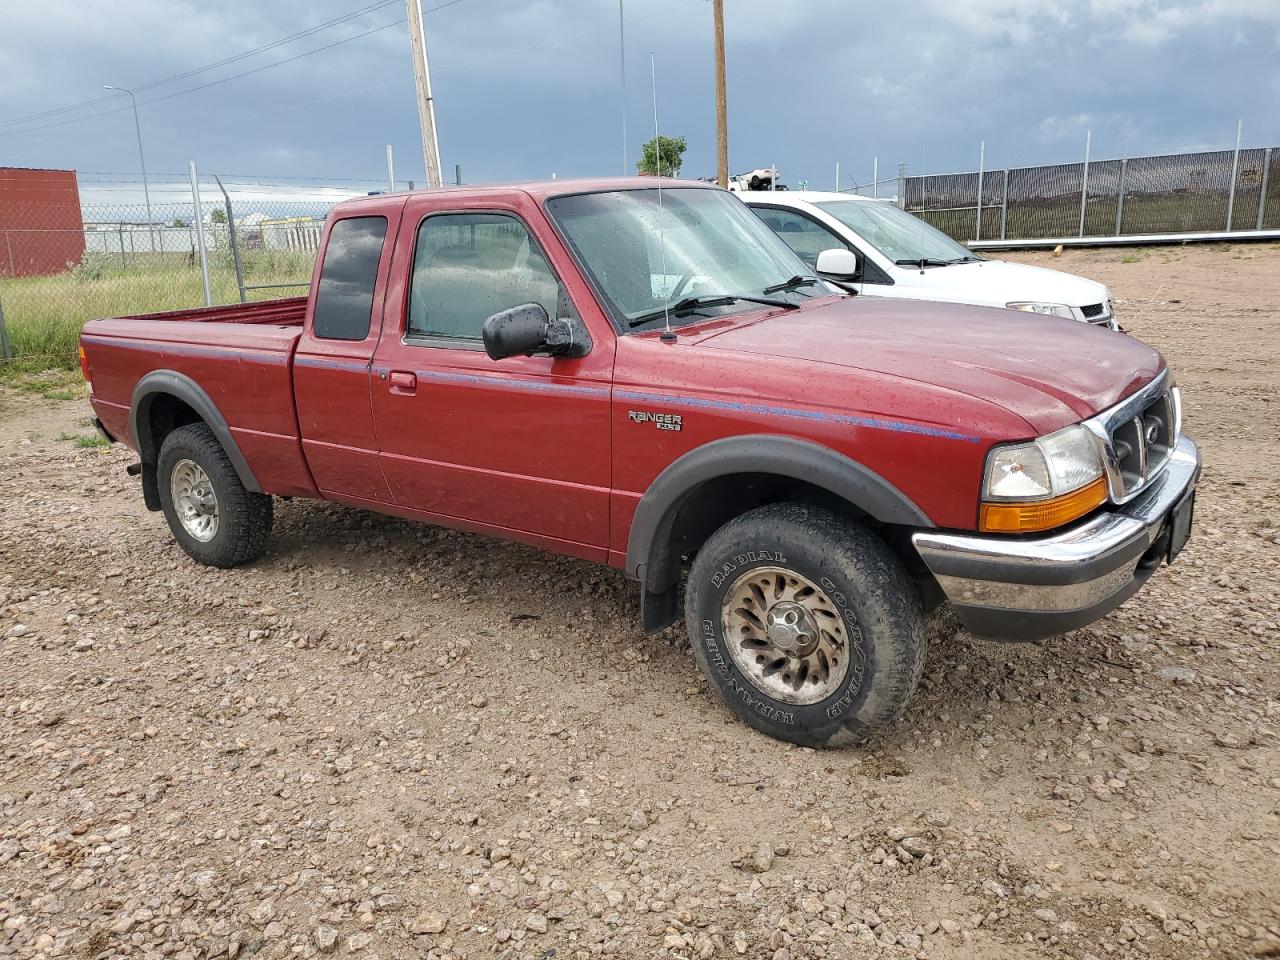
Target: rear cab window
[{"x": 344, "y": 297}]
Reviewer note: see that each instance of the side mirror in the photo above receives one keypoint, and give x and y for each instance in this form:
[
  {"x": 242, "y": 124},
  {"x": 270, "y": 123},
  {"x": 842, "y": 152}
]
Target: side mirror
[
  {"x": 527, "y": 330},
  {"x": 839, "y": 263}
]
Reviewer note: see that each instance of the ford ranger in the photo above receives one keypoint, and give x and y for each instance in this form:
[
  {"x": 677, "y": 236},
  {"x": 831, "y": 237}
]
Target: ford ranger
[{"x": 641, "y": 373}]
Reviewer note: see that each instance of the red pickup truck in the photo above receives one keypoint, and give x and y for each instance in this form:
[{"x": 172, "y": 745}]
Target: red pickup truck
[{"x": 644, "y": 375}]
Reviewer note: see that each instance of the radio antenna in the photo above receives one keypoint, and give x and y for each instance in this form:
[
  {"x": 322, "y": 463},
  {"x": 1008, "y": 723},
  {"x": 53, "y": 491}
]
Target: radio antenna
[{"x": 662, "y": 238}]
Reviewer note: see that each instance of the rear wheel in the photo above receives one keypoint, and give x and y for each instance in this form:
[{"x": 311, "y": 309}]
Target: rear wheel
[
  {"x": 212, "y": 516},
  {"x": 806, "y": 624}
]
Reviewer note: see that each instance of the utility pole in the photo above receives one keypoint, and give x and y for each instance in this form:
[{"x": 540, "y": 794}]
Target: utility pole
[
  {"x": 622, "y": 79},
  {"x": 426, "y": 106},
  {"x": 722, "y": 104}
]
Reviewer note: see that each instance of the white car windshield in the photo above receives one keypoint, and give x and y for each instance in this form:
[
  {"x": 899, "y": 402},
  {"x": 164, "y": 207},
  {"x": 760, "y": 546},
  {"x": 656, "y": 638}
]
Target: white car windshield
[
  {"x": 903, "y": 238},
  {"x": 700, "y": 249}
]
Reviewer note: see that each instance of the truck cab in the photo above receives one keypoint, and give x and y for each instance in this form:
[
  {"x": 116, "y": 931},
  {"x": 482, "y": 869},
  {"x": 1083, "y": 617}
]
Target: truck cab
[{"x": 640, "y": 373}]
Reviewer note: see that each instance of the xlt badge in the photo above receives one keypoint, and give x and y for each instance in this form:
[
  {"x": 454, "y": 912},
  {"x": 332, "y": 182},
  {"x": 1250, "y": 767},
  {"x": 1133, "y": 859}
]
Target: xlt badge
[{"x": 663, "y": 421}]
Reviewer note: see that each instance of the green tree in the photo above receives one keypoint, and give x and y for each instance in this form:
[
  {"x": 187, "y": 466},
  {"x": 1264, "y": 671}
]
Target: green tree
[
  {"x": 217, "y": 216},
  {"x": 179, "y": 222},
  {"x": 672, "y": 153}
]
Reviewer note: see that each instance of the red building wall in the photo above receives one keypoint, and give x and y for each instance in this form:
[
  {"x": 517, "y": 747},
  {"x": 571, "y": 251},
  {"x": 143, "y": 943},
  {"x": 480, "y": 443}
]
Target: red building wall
[{"x": 41, "y": 229}]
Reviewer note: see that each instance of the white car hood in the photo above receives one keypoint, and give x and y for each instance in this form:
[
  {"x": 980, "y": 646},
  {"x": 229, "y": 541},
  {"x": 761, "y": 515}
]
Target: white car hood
[{"x": 997, "y": 282}]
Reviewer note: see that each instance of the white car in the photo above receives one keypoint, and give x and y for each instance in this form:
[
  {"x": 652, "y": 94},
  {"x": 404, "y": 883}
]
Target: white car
[{"x": 895, "y": 254}]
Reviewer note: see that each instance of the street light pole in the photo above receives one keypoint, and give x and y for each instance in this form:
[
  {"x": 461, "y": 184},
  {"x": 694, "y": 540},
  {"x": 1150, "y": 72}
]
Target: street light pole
[{"x": 142, "y": 161}]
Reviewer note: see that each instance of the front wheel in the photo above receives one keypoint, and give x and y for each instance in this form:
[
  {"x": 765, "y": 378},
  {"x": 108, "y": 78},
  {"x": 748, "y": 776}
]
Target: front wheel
[
  {"x": 806, "y": 624},
  {"x": 213, "y": 517}
]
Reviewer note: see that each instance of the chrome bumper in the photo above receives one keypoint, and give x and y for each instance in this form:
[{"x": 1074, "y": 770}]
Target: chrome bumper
[{"x": 1026, "y": 588}]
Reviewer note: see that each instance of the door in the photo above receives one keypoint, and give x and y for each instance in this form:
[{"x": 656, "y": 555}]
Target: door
[
  {"x": 331, "y": 364},
  {"x": 519, "y": 446},
  {"x": 805, "y": 237},
  {"x": 808, "y": 238}
]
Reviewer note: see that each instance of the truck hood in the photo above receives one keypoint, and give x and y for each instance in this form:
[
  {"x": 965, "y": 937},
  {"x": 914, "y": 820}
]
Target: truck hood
[
  {"x": 997, "y": 282},
  {"x": 1049, "y": 371}
]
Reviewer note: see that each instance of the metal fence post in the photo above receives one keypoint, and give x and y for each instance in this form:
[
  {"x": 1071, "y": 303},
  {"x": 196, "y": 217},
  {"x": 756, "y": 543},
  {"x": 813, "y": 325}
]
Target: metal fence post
[
  {"x": 1004, "y": 203},
  {"x": 204, "y": 255},
  {"x": 1084, "y": 178},
  {"x": 875, "y": 178},
  {"x": 391, "y": 172},
  {"x": 1124, "y": 166},
  {"x": 6, "y": 345},
  {"x": 1235, "y": 168},
  {"x": 231, "y": 237},
  {"x": 123, "y": 262},
  {"x": 982, "y": 159},
  {"x": 837, "y": 186},
  {"x": 1262, "y": 196}
]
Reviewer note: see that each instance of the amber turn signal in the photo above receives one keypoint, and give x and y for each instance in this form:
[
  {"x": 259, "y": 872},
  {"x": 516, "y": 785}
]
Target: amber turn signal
[{"x": 1043, "y": 514}]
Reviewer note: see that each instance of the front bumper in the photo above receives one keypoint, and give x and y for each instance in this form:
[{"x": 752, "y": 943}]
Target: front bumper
[{"x": 1026, "y": 588}]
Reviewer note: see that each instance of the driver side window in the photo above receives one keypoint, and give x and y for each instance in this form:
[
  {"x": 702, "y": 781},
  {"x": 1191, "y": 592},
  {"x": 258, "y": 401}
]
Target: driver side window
[
  {"x": 806, "y": 238},
  {"x": 467, "y": 267}
]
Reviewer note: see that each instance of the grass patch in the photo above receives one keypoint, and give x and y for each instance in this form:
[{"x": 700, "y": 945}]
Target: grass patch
[
  {"x": 53, "y": 384},
  {"x": 44, "y": 314},
  {"x": 84, "y": 441},
  {"x": 1135, "y": 257}
]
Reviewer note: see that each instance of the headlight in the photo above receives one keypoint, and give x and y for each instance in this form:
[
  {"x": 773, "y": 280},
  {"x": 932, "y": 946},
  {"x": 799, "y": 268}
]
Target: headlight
[
  {"x": 1042, "y": 484},
  {"x": 1049, "y": 309}
]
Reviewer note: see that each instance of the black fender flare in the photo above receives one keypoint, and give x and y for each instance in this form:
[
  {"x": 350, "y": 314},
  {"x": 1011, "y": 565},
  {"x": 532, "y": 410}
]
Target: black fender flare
[
  {"x": 649, "y": 557},
  {"x": 178, "y": 385}
]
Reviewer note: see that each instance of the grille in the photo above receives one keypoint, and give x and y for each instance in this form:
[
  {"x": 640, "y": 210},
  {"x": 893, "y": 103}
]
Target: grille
[
  {"x": 1091, "y": 310},
  {"x": 1139, "y": 435}
]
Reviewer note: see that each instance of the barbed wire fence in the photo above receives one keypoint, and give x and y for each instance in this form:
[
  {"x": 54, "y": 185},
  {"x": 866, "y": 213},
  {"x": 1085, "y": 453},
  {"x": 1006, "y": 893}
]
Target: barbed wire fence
[{"x": 104, "y": 251}]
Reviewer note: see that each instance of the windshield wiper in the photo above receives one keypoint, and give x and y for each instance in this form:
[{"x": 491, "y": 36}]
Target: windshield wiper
[
  {"x": 692, "y": 304},
  {"x": 923, "y": 262},
  {"x": 799, "y": 280},
  {"x": 966, "y": 259}
]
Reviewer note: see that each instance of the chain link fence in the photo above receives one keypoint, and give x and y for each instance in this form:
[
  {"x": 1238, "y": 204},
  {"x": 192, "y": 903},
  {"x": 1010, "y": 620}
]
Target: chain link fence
[
  {"x": 118, "y": 253},
  {"x": 1219, "y": 190}
]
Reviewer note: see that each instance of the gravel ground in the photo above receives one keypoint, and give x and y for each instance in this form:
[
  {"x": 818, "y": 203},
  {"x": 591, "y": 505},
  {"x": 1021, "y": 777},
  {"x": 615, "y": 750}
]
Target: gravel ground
[{"x": 390, "y": 740}]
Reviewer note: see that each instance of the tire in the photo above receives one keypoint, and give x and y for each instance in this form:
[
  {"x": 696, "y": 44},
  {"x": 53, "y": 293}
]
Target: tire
[
  {"x": 851, "y": 597},
  {"x": 241, "y": 520}
]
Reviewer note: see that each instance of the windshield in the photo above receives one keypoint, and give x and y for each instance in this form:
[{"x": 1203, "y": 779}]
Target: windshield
[
  {"x": 697, "y": 244},
  {"x": 895, "y": 233}
]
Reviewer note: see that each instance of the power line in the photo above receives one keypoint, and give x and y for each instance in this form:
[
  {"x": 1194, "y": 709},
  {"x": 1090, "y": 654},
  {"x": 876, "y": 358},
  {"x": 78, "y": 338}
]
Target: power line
[
  {"x": 234, "y": 76},
  {"x": 203, "y": 86},
  {"x": 210, "y": 66},
  {"x": 488, "y": 58}
]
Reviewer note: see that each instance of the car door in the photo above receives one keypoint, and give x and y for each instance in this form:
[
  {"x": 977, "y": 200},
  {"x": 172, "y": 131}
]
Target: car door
[
  {"x": 331, "y": 364},
  {"x": 518, "y": 446},
  {"x": 808, "y": 237},
  {"x": 803, "y": 235}
]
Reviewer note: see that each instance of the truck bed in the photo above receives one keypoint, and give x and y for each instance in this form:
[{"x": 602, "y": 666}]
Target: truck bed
[
  {"x": 284, "y": 311},
  {"x": 239, "y": 356}
]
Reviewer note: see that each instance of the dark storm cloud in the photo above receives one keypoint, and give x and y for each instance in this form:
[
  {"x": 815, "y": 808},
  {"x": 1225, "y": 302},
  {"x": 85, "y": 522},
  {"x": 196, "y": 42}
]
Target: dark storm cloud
[{"x": 525, "y": 89}]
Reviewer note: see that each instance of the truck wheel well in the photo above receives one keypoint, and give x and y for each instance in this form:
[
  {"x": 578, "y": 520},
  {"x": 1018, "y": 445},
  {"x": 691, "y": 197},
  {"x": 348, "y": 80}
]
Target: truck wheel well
[
  {"x": 712, "y": 504},
  {"x": 167, "y": 414},
  {"x": 165, "y": 400}
]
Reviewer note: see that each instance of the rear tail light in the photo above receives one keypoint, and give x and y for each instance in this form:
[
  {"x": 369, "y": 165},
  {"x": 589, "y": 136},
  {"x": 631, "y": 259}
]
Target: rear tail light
[{"x": 84, "y": 369}]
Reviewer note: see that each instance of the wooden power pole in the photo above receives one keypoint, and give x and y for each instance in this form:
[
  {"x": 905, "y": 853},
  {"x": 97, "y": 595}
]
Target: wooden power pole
[
  {"x": 426, "y": 106},
  {"x": 722, "y": 104}
]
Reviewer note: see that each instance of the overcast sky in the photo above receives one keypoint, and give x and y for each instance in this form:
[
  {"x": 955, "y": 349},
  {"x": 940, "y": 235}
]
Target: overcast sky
[{"x": 525, "y": 88}]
